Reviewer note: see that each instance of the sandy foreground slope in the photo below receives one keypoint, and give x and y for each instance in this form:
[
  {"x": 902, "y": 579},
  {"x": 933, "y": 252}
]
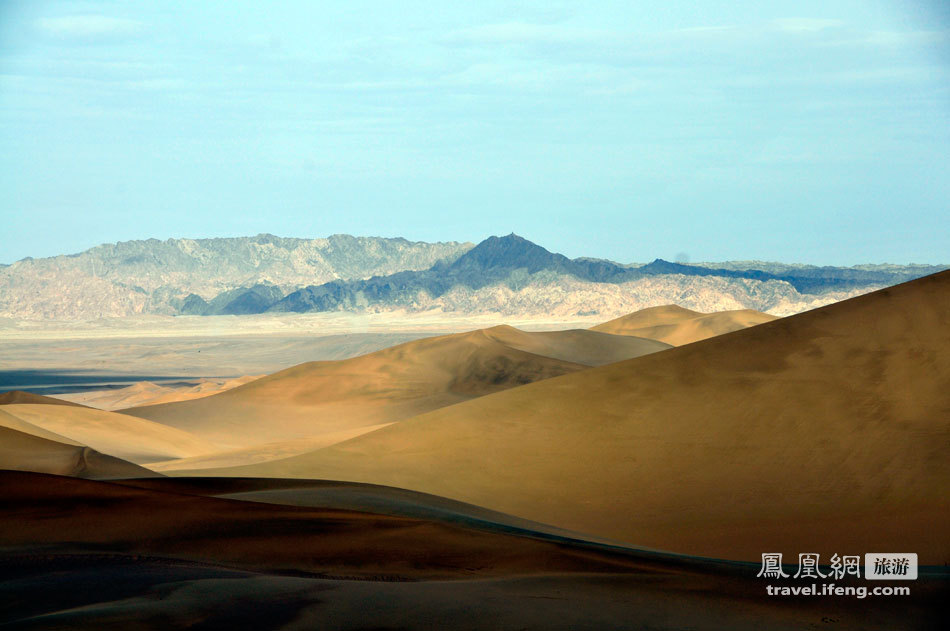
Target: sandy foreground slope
[
  {"x": 169, "y": 554},
  {"x": 821, "y": 432},
  {"x": 390, "y": 385},
  {"x": 678, "y": 326}
]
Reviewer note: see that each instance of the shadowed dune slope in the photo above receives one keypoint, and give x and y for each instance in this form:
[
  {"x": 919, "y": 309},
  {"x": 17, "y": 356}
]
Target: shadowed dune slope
[
  {"x": 678, "y": 326},
  {"x": 389, "y": 385},
  {"x": 19, "y": 396},
  {"x": 119, "y": 435},
  {"x": 45, "y": 510},
  {"x": 21, "y": 451},
  {"x": 160, "y": 554},
  {"x": 384, "y": 500},
  {"x": 821, "y": 432}
]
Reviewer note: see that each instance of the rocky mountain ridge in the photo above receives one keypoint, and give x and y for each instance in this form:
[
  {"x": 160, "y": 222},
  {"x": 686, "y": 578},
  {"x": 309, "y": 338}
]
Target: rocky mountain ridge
[
  {"x": 544, "y": 282},
  {"x": 153, "y": 276},
  {"x": 507, "y": 275}
]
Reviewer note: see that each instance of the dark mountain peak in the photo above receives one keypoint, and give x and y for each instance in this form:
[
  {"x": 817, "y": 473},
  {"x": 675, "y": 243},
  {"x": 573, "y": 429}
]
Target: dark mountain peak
[
  {"x": 660, "y": 266},
  {"x": 194, "y": 305},
  {"x": 510, "y": 241},
  {"x": 509, "y": 252}
]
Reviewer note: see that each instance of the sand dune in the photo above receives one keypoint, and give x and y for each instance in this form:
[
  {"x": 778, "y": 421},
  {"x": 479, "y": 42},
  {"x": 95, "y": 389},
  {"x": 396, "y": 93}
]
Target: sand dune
[
  {"x": 678, "y": 326},
  {"x": 18, "y": 396},
  {"x": 390, "y": 385},
  {"x": 582, "y": 346},
  {"x": 373, "y": 498},
  {"x": 160, "y": 554},
  {"x": 148, "y": 393},
  {"x": 256, "y": 535},
  {"x": 821, "y": 432},
  {"x": 157, "y": 594},
  {"x": 261, "y": 453},
  {"x": 16, "y": 423},
  {"x": 22, "y": 451},
  {"x": 125, "y": 437}
]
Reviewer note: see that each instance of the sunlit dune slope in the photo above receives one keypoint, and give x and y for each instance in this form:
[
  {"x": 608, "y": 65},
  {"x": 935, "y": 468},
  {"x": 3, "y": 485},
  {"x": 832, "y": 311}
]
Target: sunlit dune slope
[
  {"x": 389, "y": 385},
  {"x": 19, "y": 396},
  {"x": 126, "y": 437},
  {"x": 583, "y": 346},
  {"x": 16, "y": 423},
  {"x": 148, "y": 393},
  {"x": 821, "y": 432},
  {"x": 678, "y": 326},
  {"x": 21, "y": 451},
  {"x": 262, "y": 452}
]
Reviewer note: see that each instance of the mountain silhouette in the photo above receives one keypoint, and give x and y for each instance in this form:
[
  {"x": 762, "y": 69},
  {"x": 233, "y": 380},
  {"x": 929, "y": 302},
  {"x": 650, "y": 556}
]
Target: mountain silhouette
[{"x": 512, "y": 261}]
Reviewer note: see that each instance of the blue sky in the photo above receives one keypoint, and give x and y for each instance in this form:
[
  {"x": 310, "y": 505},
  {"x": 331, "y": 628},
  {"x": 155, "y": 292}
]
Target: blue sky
[{"x": 797, "y": 131}]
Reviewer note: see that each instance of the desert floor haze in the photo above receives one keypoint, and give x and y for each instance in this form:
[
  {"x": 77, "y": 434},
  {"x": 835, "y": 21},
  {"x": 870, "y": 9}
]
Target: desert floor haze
[{"x": 628, "y": 472}]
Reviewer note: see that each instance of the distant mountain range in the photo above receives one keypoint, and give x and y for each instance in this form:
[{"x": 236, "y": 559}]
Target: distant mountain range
[
  {"x": 508, "y": 275},
  {"x": 157, "y": 277}
]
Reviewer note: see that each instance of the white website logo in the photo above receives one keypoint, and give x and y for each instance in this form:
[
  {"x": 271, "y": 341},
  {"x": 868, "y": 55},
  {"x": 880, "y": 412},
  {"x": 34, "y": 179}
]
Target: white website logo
[{"x": 878, "y": 566}]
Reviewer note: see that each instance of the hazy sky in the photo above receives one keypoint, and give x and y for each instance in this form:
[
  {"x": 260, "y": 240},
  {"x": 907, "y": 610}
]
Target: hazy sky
[{"x": 796, "y": 131}]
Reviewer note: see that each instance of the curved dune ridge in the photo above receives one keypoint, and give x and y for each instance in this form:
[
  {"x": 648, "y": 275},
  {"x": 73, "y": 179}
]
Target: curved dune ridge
[
  {"x": 282, "y": 554},
  {"x": 19, "y": 396},
  {"x": 582, "y": 346},
  {"x": 678, "y": 326},
  {"x": 354, "y": 496},
  {"x": 262, "y": 452},
  {"x": 22, "y": 451},
  {"x": 147, "y": 393},
  {"x": 141, "y": 518},
  {"x": 16, "y": 423},
  {"x": 390, "y": 385},
  {"x": 126, "y": 437},
  {"x": 821, "y": 432}
]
